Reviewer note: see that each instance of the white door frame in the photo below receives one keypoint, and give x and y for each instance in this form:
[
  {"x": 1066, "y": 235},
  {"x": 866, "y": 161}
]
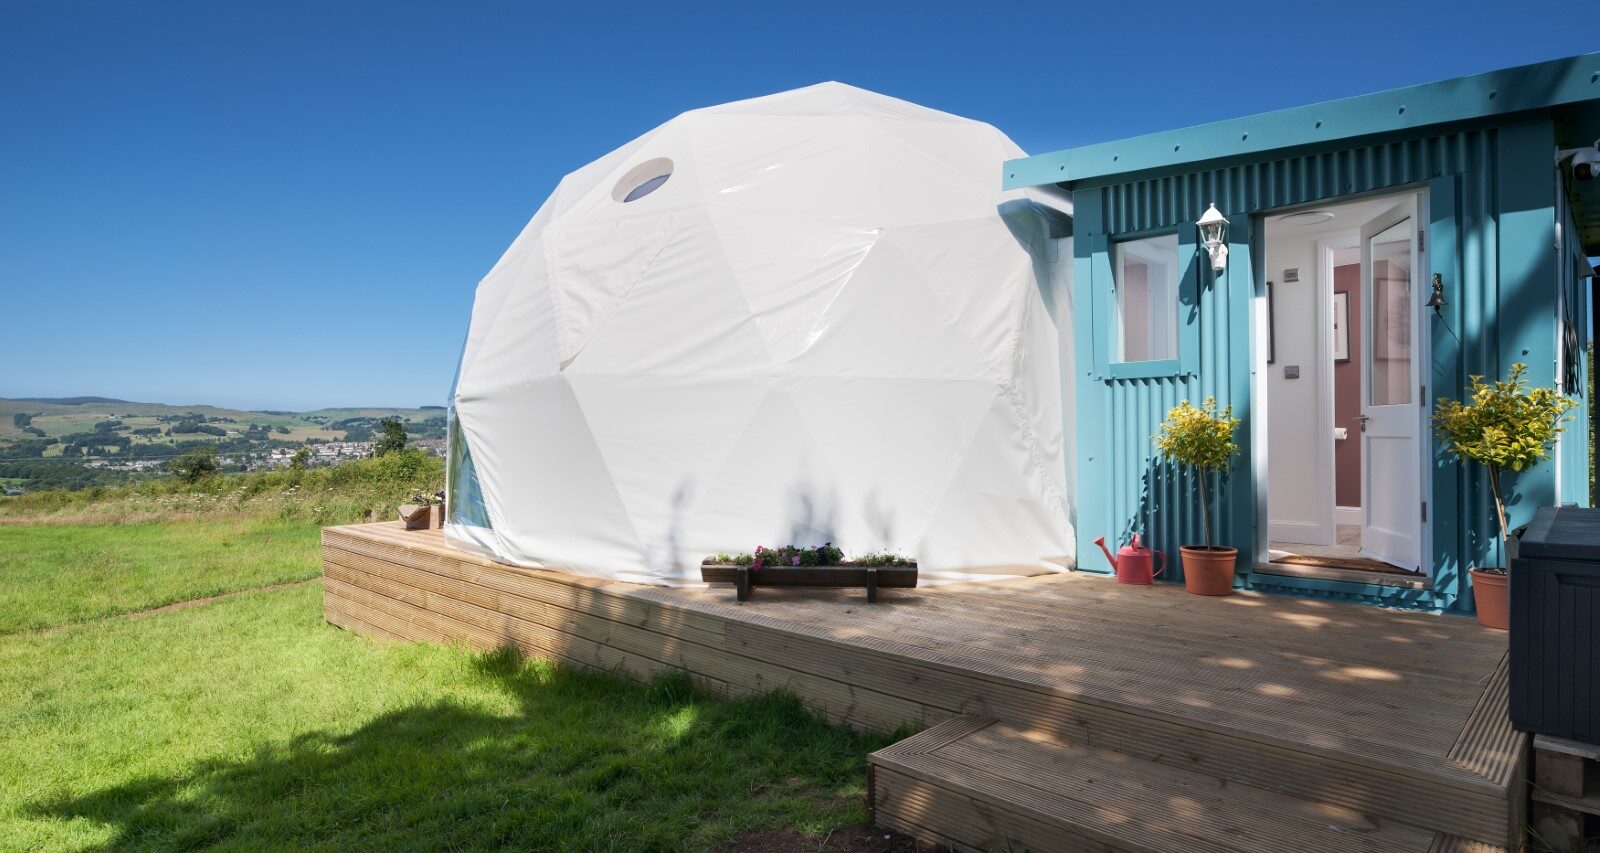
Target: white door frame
[
  {"x": 1326, "y": 248},
  {"x": 1260, "y": 369}
]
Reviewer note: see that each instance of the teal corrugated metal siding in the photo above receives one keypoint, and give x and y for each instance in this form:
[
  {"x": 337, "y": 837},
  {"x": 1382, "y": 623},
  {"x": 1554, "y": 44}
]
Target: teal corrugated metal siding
[
  {"x": 1573, "y": 270},
  {"x": 1166, "y": 201},
  {"x": 1491, "y": 238}
]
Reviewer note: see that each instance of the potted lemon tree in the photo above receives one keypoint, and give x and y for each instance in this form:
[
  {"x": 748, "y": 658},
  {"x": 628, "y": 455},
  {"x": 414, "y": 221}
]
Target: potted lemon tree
[
  {"x": 1503, "y": 426},
  {"x": 1201, "y": 437}
]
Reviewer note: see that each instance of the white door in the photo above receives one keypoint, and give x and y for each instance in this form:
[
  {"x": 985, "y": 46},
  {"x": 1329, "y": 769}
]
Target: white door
[{"x": 1391, "y": 355}]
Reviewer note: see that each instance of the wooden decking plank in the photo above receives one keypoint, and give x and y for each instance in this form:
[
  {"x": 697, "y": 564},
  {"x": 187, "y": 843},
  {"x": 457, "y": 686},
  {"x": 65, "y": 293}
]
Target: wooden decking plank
[
  {"x": 999, "y": 750},
  {"x": 989, "y": 671},
  {"x": 887, "y": 628},
  {"x": 336, "y": 613},
  {"x": 1430, "y": 702},
  {"x": 1088, "y": 590},
  {"x": 1488, "y": 744},
  {"x": 555, "y": 589},
  {"x": 1041, "y": 651},
  {"x": 941, "y": 816},
  {"x": 578, "y": 620},
  {"x": 965, "y": 663},
  {"x": 958, "y": 661},
  {"x": 393, "y": 617},
  {"x": 1231, "y": 758},
  {"x": 1443, "y": 663},
  {"x": 1220, "y": 704},
  {"x": 853, "y": 703},
  {"x": 442, "y": 632},
  {"x": 938, "y": 737},
  {"x": 536, "y": 591},
  {"x": 457, "y": 602},
  {"x": 422, "y": 624},
  {"x": 1444, "y": 842},
  {"x": 487, "y": 593},
  {"x": 1039, "y": 598},
  {"x": 1122, "y": 801}
]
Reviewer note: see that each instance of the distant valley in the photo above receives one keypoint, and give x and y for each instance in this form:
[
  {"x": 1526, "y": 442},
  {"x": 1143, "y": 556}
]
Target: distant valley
[{"x": 78, "y": 442}]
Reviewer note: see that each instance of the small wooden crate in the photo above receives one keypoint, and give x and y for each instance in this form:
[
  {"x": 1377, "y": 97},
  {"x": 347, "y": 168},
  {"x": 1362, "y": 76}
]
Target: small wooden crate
[
  {"x": 421, "y": 516},
  {"x": 1566, "y": 794}
]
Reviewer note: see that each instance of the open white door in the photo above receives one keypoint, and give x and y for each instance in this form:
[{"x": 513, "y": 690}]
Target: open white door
[{"x": 1391, "y": 421}]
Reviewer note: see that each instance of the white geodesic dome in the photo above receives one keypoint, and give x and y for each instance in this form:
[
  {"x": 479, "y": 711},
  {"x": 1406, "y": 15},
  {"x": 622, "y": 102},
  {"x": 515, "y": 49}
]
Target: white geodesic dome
[{"x": 795, "y": 319}]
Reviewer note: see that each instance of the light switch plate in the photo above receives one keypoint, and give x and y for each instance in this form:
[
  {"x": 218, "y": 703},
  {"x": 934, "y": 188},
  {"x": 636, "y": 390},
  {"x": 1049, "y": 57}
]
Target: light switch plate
[{"x": 1291, "y": 371}]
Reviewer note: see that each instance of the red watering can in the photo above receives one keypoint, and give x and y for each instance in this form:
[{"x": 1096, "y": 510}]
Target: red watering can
[{"x": 1133, "y": 562}]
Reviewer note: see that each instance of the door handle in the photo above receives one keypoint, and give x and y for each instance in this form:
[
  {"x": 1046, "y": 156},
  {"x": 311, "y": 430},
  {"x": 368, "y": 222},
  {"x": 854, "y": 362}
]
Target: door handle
[{"x": 1363, "y": 419}]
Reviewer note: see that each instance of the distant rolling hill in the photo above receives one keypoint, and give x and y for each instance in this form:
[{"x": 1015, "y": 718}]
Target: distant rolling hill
[
  {"x": 65, "y": 401},
  {"x": 47, "y": 408},
  {"x": 98, "y": 439}
]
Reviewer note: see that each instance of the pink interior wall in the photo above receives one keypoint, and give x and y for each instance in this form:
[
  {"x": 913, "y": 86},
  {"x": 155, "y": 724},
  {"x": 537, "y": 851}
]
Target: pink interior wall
[
  {"x": 1135, "y": 312},
  {"x": 1391, "y": 351},
  {"x": 1347, "y": 395}
]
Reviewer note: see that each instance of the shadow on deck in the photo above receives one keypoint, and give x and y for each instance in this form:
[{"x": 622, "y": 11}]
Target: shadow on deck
[{"x": 1374, "y": 718}]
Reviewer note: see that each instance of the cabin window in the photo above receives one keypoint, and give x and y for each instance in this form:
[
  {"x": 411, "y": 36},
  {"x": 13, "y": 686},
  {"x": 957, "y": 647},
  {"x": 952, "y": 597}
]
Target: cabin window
[{"x": 1146, "y": 277}]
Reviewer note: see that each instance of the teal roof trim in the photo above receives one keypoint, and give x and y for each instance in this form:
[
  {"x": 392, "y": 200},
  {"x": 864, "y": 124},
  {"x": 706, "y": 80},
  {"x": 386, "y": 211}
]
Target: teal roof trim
[{"x": 1512, "y": 90}]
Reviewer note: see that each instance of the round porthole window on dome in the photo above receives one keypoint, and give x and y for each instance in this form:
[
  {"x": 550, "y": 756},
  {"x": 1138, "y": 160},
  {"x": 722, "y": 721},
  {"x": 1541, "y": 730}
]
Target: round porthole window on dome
[{"x": 642, "y": 180}]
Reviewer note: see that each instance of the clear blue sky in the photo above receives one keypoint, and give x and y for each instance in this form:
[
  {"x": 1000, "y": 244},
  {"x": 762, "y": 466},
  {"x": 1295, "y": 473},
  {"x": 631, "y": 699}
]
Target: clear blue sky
[{"x": 287, "y": 204}]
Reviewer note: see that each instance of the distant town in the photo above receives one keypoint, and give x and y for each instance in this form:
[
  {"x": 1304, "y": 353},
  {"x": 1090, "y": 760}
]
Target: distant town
[
  {"x": 330, "y": 453},
  {"x": 82, "y": 442}
]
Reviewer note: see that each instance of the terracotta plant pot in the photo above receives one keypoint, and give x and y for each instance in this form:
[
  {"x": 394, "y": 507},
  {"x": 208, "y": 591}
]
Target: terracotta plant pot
[
  {"x": 1494, "y": 606},
  {"x": 1208, "y": 571}
]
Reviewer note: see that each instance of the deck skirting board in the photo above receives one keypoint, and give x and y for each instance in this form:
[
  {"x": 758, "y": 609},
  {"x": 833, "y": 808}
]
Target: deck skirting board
[
  {"x": 443, "y": 619},
  {"x": 394, "y": 585}
]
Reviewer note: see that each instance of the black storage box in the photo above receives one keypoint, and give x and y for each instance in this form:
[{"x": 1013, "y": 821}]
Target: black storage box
[{"x": 1555, "y": 625}]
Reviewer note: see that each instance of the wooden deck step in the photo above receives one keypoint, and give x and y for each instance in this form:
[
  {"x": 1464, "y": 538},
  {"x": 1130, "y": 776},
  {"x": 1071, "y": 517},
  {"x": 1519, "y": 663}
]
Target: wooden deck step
[{"x": 976, "y": 783}]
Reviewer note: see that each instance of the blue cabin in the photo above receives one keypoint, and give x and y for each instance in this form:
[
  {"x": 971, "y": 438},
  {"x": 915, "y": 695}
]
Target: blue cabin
[{"x": 1379, "y": 251}]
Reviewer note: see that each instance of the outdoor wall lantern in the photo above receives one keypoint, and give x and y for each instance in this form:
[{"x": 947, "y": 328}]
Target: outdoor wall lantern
[
  {"x": 1437, "y": 300},
  {"x": 1214, "y": 236}
]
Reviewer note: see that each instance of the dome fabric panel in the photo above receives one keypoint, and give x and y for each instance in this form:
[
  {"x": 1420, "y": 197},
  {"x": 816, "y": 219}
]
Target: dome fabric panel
[{"x": 818, "y": 328}]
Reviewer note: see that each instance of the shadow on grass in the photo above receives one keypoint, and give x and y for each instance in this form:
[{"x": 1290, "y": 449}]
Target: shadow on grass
[{"x": 575, "y": 760}]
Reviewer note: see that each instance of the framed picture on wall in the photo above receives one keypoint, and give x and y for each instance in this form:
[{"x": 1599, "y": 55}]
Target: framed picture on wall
[{"x": 1341, "y": 327}]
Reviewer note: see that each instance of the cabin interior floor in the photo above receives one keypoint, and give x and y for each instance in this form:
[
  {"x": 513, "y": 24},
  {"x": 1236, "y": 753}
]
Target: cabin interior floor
[
  {"x": 1347, "y": 547},
  {"x": 1344, "y": 554}
]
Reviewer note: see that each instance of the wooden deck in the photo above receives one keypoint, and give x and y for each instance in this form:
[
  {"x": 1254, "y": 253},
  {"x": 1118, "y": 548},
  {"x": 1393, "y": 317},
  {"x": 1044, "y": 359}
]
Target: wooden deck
[{"x": 1385, "y": 720}]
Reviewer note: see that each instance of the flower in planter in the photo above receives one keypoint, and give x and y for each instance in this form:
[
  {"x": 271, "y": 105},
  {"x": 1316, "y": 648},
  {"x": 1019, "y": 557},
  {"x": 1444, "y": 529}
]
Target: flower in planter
[{"x": 821, "y": 555}]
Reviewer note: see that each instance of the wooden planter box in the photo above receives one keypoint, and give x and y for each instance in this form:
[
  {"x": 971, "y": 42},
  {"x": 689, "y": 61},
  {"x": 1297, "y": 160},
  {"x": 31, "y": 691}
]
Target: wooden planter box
[{"x": 871, "y": 577}]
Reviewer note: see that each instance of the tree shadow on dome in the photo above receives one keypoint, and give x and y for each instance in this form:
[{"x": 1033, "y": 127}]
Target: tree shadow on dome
[{"x": 813, "y": 519}]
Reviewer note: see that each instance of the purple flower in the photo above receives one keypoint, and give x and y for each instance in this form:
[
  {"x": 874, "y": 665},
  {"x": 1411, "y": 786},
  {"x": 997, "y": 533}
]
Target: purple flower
[{"x": 795, "y": 561}]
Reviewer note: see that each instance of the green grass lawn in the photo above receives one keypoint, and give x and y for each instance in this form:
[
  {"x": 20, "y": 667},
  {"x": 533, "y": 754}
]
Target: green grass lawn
[
  {"x": 251, "y": 723},
  {"x": 57, "y": 574}
]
